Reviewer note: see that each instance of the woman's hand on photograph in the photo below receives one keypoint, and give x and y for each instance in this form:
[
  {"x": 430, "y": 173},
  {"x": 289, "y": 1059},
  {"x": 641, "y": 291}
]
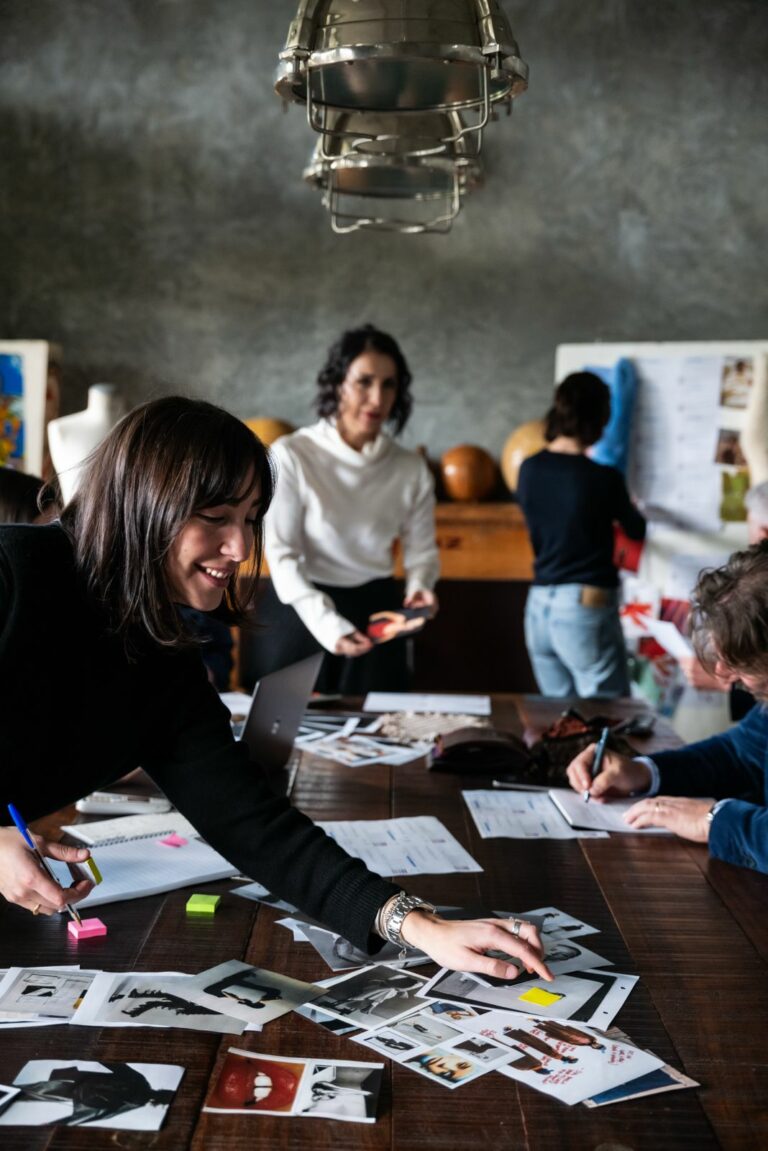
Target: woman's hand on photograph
[
  {"x": 685, "y": 817},
  {"x": 462, "y": 944},
  {"x": 619, "y": 775},
  {"x": 423, "y": 598},
  {"x": 23, "y": 881},
  {"x": 353, "y": 644}
]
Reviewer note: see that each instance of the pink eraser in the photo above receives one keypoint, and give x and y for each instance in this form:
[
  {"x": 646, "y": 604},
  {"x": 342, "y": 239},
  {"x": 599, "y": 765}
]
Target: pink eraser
[
  {"x": 86, "y": 928},
  {"x": 173, "y": 840}
]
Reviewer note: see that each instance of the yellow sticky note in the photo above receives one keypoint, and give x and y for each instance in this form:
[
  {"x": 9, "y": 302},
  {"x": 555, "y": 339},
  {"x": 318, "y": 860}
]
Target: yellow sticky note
[
  {"x": 95, "y": 873},
  {"x": 540, "y": 997}
]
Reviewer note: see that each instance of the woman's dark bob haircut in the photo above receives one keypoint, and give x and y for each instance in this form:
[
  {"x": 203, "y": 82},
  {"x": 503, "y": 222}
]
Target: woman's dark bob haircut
[
  {"x": 581, "y": 409},
  {"x": 346, "y": 349},
  {"x": 162, "y": 463},
  {"x": 19, "y": 494}
]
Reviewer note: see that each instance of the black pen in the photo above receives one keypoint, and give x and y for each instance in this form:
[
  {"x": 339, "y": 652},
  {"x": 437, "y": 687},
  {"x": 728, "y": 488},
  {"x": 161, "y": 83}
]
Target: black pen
[{"x": 597, "y": 762}]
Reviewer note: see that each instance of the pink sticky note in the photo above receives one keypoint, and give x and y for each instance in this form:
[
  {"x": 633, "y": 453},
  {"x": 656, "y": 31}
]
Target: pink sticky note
[
  {"x": 173, "y": 840},
  {"x": 86, "y": 929}
]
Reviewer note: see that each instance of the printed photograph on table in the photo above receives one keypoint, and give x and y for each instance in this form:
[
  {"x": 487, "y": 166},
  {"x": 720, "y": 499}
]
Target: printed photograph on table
[
  {"x": 390, "y": 1042},
  {"x": 591, "y": 997},
  {"x": 6, "y": 1094},
  {"x": 446, "y": 1067},
  {"x": 44, "y": 990},
  {"x": 373, "y": 996},
  {"x": 249, "y": 993},
  {"x": 554, "y": 923},
  {"x": 569, "y": 1063},
  {"x": 149, "y": 1000},
  {"x": 341, "y": 955},
  {"x": 664, "y": 1078},
  {"x": 74, "y": 1093},
  {"x": 427, "y": 1029},
  {"x": 251, "y": 1083}
]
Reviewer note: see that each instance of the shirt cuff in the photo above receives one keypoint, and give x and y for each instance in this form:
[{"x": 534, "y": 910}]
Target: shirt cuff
[{"x": 655, "y": 783}]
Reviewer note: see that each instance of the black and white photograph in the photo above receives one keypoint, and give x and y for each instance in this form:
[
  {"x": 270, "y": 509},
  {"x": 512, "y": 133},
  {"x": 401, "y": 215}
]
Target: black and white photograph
[
  {"x": 426, "y": 1029},
  {"x": 249, "y": 993},
  {"x": 555, "y": 924},
  {"x": 327, "y": 1022},
  {"x": 373, "y": 996},
  {"x": 149, "y": 1000},
  {"x": 341, "y": 1090},
  {"x": 389, "y": 1042},
  {"x": 48, "y": 991},
  {"x": 341, "y": 955},
  {"x": 74, "y": 1093},
  {"x": 6, "y": 1094}
]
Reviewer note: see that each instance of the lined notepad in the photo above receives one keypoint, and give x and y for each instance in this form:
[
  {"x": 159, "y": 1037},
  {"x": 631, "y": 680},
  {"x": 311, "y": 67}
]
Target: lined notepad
[
  {"x": 117, "y": 830},
  {"x": 136, "y": 867}
]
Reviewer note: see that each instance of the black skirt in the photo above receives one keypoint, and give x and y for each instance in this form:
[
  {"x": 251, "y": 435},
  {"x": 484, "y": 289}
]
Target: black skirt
[{"x": 280, "y": 638}]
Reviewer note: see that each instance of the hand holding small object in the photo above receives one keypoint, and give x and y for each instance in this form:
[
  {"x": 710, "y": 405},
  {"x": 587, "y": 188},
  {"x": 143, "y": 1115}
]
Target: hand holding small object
[
  {"x": 620, "y": 775},
  {"x": 353, "y": 644},
  {"x": 27, "y": 879},
  {"x": 597, "y": 762}
]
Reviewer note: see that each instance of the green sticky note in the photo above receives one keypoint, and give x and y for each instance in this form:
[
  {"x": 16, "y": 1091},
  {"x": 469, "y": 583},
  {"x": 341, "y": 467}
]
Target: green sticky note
[
  {"x": 540, "y": 997},
  {"x": 202, "y": 904}
]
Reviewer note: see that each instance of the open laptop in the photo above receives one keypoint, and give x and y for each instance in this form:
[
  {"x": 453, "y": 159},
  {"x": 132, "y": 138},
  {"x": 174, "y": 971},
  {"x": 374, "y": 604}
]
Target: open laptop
[{"x": 277, "y": 706}]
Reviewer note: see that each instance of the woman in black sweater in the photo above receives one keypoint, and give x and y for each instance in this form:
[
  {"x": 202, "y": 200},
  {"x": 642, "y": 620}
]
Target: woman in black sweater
[
  {"x": 570, "y": 503},
  {"x": 98, "y": 676}
]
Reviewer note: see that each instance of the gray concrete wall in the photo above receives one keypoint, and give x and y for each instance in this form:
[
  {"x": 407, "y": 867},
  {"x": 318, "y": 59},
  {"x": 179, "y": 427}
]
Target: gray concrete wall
[{"x": 153, "y": 219}]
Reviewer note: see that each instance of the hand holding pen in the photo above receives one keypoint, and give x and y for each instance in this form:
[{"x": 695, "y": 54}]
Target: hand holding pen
[
  {"x": 597, "y": 762},
  {"x": 26, "y": 877}
]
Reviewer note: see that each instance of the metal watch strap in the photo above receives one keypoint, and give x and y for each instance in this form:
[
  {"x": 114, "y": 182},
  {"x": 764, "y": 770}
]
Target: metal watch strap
[{"x": 404, "y": 904}]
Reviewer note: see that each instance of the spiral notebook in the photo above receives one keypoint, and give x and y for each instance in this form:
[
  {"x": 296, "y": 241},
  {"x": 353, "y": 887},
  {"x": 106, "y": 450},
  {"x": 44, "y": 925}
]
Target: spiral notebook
[
  {"x": 103, "y": 832},
  {"x": 141, "y": 865}
]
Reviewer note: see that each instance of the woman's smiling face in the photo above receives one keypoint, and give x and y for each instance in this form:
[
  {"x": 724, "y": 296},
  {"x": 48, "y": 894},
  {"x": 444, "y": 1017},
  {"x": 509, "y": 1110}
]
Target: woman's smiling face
[{"x": 207, "y": 552}]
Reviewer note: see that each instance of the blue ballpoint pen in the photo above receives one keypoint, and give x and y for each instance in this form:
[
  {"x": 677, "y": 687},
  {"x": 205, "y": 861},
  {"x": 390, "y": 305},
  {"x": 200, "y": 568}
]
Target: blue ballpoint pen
[
  {"x": 18, "y": 820},
  {"x": 597, "y": 762}
]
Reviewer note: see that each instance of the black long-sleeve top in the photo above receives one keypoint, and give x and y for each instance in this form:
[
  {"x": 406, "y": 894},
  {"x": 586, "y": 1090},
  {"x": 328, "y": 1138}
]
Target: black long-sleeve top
[
  {"x": 76, "y": 713},
  {"x": 570, "y": 504}
]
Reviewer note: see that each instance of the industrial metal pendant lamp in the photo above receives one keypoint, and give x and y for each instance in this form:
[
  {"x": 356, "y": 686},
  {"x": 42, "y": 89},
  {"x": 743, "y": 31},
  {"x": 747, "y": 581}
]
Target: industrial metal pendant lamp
[
  {"x": 400, "y": 92},
  {"x": 394, "y": 173},
  {"x": 399, "y": 56}
]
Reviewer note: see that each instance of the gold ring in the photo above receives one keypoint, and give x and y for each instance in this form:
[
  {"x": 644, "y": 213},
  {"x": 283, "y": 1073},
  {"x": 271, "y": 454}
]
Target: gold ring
[{"x": 36, "y": 909}]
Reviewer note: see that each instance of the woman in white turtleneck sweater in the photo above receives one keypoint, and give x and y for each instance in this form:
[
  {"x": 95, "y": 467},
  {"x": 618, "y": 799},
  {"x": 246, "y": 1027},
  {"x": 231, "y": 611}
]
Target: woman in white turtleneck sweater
[{"x": 345, "y": 492}]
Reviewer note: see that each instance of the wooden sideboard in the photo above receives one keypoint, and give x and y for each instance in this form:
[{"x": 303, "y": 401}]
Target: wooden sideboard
[{"x": 483, "y": 542}]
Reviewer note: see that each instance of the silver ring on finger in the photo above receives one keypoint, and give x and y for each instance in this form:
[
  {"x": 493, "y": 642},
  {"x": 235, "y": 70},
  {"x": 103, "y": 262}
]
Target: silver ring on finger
[{"x": 516, "y": 925}]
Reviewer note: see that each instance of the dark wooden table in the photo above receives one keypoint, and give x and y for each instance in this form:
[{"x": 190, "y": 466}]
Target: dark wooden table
[{"x": 694, "y": 930}]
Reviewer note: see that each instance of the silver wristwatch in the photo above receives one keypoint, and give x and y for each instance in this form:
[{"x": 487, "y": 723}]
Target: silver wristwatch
[{"x": 402, "y": 906}]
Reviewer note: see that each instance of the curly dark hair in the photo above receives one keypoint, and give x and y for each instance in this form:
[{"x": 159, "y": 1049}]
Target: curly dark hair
[
  {"x": 347, "y": 348},
  {"x": 729, "y": 613},
  {"x": 581, "y": 409}
]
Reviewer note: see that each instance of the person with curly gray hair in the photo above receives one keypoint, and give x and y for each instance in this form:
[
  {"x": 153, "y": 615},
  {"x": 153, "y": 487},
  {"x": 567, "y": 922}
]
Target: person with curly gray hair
[{"x": 730, "y": 634}]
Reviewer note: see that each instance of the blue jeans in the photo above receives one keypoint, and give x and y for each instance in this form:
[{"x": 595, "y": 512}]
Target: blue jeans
[{"x": 575, "y": 649}]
